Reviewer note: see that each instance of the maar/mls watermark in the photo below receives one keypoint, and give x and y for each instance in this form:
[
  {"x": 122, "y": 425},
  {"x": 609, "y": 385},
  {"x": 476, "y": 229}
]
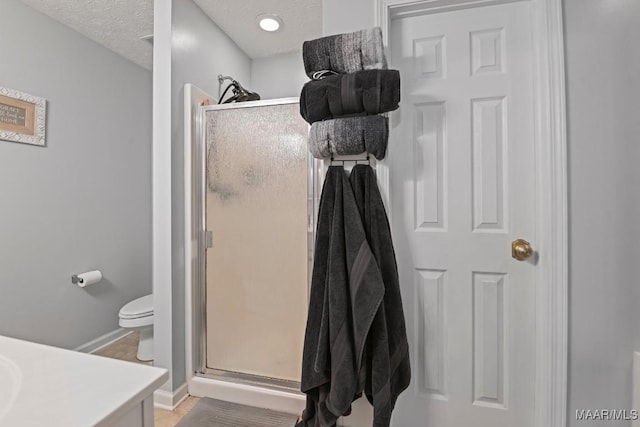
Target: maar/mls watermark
[{"x": 606, "y": 414}]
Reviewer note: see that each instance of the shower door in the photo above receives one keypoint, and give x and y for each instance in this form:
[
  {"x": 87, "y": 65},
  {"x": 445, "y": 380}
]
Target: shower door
[{"x": 257, "y": 212}]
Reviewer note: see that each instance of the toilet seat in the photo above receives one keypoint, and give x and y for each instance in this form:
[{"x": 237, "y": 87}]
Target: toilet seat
[
  {"x": 138, "y": 308},
  {"x": 137, "y": 313},
  {"x": 140, "y": 322}
]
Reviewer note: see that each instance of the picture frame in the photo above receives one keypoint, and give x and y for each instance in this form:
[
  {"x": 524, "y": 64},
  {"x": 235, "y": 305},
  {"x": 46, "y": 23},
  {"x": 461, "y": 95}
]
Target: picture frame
[{"x": 22, "y": 117}]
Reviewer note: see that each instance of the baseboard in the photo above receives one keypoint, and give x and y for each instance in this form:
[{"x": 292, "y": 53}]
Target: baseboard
[
  {"x": 103, "y": 341},
  {"x": 169, "y": 401}
]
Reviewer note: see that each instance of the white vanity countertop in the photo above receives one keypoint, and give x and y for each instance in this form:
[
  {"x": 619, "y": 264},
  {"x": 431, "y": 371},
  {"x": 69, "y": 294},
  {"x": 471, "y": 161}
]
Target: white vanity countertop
[{"x": 48, "y": 386}]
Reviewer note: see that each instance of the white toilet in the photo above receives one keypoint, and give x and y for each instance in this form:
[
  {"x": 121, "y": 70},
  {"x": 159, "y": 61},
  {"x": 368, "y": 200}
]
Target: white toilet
[{"x": 138, "y": 314}]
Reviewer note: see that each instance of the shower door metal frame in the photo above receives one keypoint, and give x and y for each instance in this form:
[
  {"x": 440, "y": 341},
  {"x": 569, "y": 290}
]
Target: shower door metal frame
[{"x": 199, "y": 283}]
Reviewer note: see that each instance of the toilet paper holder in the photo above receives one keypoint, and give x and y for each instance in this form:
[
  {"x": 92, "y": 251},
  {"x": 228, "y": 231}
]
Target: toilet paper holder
[{"x": 88, "y": 278}]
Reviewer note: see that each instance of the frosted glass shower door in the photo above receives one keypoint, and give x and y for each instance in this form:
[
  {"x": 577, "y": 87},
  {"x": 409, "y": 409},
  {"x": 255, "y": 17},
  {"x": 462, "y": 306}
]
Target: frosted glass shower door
[{"x": 257, "y": 267}]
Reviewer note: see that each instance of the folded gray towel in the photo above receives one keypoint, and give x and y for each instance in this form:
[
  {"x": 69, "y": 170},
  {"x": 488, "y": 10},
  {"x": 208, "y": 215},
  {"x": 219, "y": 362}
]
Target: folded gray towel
[
  {"x": 359, "y": 93},
  {"x": 349, "y": 135},
  {"x": 345, "y": 53}
]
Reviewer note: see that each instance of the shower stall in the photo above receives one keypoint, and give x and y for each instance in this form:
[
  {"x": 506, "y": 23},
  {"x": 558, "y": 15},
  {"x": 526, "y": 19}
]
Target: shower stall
[{"x": 253, "y": 197}]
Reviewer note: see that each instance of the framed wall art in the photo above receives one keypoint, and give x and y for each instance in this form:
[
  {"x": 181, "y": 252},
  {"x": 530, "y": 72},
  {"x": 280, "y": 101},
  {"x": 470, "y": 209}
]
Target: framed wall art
[{"x": 22, "y": 117}]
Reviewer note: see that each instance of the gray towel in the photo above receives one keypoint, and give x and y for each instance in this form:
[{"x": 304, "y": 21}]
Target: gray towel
[
  {"x": 359, "y": 93},
  {"x": 349, "y": 135},
  {"x": 345, "y": 53},
  {"x": 346, "y": 291},
  {"x": 388, "y": 370},
  {"x": 356, "y": 339}
]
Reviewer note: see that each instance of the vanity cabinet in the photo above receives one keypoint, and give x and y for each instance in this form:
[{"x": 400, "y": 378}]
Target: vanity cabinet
[{"x": 42, "y": 385}]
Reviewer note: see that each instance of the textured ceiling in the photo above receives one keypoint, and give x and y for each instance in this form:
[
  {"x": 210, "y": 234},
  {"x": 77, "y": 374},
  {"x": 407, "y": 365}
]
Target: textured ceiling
[
  {"x": 115, "y": 24},
  {"x": 119, "y": 24},
  {"x": 302, "y": 21}
]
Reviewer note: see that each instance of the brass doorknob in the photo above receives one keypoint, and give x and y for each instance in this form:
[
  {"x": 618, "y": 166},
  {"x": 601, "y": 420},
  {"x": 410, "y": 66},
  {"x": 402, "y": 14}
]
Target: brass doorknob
[{"x": 521, "y": 249}]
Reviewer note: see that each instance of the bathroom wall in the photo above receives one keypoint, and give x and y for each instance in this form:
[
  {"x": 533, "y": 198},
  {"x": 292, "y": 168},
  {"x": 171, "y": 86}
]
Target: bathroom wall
[
  {"x": 278, "y": 76},
  {"x": 602, "y": 65},
  {"x": 83, "y": 201},
  {"x": 342, "y": 17},
  {"x": 200, "y": 51}
]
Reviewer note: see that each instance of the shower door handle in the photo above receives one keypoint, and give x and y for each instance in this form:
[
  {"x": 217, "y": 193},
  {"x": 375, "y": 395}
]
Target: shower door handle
[{"x": 208, "y": 239}]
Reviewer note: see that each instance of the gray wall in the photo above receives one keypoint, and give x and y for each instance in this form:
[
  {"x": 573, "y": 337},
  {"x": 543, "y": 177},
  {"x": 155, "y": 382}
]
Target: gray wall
[
  {"x": 83, "y": 201},
  {"x": 200, "y": 51},
  {"x": 603, "y": 89},
  {"x": 278, "y": 76},
  {"x": 345, "y": 16}
]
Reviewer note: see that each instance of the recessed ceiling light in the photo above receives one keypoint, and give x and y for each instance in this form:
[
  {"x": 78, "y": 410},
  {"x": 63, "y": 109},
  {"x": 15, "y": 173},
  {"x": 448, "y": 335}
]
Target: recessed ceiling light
[{"x": 269, "y": 22}]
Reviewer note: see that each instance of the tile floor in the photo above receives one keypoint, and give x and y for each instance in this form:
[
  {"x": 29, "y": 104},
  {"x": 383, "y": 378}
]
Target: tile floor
[
  {"x": 126, "y": 349},
  {"x": 171, "y": 418}
]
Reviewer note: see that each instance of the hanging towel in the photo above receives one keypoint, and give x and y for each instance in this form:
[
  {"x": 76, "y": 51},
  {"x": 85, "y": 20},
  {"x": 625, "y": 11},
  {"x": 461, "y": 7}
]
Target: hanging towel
[
  {"x": 362, "y": 92},
  {"x": 345, "y": 53},
  {"x": 387, "y": 356},
  {"x": 349, "y": 135},
  {"x": 346, "y": 292}
]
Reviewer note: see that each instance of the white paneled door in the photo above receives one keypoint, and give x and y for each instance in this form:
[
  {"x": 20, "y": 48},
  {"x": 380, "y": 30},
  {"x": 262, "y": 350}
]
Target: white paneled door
[{"x": 462, "y": 190}]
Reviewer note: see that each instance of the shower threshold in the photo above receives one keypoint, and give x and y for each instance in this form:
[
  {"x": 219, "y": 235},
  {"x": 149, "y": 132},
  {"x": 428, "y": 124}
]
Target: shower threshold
[{"x": 275, "y": 384}]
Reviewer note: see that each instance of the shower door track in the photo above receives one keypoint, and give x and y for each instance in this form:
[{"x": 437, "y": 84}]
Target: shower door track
[
  {"x": 251, "y": 380},
  {"x": 199, "y": 233}
]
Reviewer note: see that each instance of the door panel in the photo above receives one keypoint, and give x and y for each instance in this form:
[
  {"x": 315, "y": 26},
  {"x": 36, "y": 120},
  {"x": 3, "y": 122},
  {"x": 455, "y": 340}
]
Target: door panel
[
  {"x": 462, "y": 189},
  {"x": 257, "y": 268}
]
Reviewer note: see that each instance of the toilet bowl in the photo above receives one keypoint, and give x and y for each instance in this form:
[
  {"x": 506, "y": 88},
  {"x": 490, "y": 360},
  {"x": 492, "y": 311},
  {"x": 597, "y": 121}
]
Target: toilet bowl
[{"x": 138, "y": 315}]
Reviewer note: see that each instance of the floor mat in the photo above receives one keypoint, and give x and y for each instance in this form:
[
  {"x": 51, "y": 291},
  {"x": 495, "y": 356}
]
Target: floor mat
[{"x": 216, "y": 413}]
